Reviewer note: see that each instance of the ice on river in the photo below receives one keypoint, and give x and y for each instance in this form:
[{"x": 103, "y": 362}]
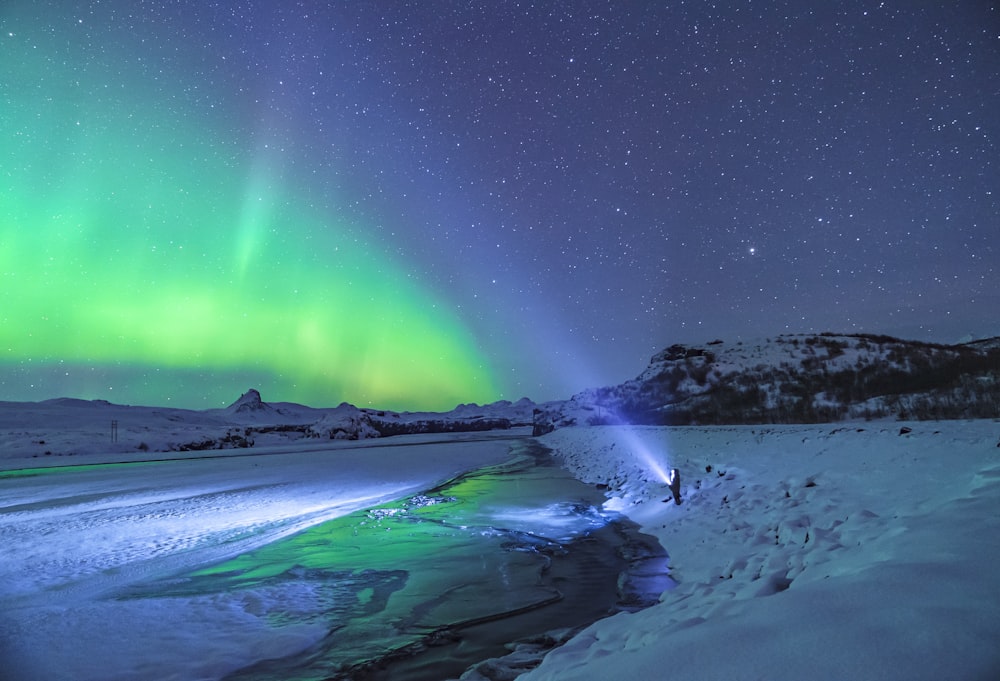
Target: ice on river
[{"x": 74, "y": 538}]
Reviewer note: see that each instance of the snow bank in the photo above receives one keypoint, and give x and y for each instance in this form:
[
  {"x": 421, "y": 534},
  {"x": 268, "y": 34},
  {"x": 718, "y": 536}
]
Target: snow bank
[{"x": 820, "y": 552}]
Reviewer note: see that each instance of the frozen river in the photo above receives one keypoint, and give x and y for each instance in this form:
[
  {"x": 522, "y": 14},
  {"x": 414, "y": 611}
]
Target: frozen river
[{"x": 294, "y": 565}]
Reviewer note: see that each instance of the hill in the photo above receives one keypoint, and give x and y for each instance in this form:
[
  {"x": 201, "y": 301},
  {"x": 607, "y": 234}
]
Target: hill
[{"x": 797, "y": 379}]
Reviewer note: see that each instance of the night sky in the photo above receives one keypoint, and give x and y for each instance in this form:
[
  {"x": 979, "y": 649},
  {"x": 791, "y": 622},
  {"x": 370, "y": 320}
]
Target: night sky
[{"x": 414, "y": 204}]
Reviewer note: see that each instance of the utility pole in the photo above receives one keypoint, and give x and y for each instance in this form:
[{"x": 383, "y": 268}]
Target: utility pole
[{"x": 114, "y": 430}]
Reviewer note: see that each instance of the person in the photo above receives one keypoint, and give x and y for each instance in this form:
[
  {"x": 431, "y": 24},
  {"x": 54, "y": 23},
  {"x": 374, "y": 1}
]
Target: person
[{"x": 674, "y": 482}]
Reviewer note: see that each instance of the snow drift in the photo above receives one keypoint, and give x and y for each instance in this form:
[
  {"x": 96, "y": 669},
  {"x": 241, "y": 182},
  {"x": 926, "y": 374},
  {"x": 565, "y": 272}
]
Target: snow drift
[{"x": 821, "y": 552}]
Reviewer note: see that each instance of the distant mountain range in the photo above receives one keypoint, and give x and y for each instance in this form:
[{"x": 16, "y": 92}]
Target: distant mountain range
[
  {"x": 348, "y": 422},
  {"x": 786, "y": 379},
  {"x": 797, "y": 379}
]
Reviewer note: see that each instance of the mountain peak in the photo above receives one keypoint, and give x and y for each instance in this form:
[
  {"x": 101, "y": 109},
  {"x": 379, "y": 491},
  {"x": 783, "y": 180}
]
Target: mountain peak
[{"x": 249, "y": 401}]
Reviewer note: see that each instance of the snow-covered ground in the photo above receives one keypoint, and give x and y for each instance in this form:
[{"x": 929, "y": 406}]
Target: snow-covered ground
[
  {"x": 74, "y": 539},
  {"x": 807, "y": 552},
  {"x": 823, "y": 552}
]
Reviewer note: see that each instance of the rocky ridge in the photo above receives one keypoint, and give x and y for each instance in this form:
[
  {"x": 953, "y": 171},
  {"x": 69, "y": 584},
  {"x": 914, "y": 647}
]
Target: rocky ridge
[{"x": 797, "y": 379}]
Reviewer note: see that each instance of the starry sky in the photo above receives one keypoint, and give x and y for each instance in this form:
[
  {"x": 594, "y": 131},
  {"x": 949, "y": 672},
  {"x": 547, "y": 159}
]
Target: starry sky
[{"x": 410, "y": 205}]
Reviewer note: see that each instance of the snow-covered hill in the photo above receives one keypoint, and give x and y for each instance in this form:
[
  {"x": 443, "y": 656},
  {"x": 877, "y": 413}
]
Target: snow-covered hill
[{"x": 798, "y": 379}]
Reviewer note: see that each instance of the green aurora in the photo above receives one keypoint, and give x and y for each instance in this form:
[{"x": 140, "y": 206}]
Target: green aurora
[{"x": 149, "y": 258}]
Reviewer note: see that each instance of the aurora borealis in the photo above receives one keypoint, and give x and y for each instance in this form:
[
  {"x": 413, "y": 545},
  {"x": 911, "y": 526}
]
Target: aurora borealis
[
  {"x": 411, "y": 205},
  {"x": 140, "y": 243}
]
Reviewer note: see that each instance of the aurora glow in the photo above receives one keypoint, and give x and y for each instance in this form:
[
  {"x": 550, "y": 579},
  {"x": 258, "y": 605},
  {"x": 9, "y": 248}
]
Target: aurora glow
[
  {"x": 412, "y": 204},
  {"x": 149, "y": 258}
]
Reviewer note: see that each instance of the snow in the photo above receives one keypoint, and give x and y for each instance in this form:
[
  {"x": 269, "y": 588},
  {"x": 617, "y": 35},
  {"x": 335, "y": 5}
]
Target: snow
[
  {"x": 822, "y": 551},
  {"x": 71, "y": 539}
]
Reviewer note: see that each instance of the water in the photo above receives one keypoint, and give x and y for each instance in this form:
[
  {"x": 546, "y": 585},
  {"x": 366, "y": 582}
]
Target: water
[{"x": 425, "y": 587}]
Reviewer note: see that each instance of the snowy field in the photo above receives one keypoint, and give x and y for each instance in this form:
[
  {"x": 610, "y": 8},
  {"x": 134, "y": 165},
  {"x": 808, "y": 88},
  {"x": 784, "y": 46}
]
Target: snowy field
[
  {"x": 839, "y": 551},
  {"x": 846, "y": 551}
]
